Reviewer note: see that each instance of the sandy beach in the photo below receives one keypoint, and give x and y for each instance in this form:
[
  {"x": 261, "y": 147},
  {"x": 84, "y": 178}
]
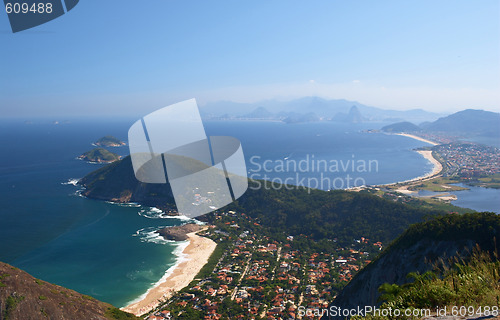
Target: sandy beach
[
  {"x": 417, "y": 138},
  {"x": 197, "y": 253},
  {"x": 437, "y": 165},
  {"x": 427, "y": 155},
  {"x": 437, "y": 168}
]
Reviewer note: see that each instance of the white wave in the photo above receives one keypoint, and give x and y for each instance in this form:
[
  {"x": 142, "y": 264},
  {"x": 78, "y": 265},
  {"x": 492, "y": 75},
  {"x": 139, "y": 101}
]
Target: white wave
[
  {"x": 78, "y": 193},
  {"x": 155, "y": 213},
  {"x": 181, "y": 257},
  {"x": 71, "y": 181},
  {"x": 125, "y": 204},
  {"x": 150, "y": 235}
]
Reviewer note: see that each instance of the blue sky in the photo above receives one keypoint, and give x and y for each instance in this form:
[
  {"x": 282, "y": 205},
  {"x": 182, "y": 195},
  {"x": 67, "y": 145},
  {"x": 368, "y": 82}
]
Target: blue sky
[{"x": 132, "y": 57}]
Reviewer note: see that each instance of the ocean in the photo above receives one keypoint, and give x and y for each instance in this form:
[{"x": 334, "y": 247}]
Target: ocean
[{"x": 110, "y": 251}]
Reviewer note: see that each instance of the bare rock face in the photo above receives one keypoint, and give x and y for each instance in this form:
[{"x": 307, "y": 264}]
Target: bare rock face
[
  {"x": 178, "y": 233},
  {"x": 24, "y": 297}
]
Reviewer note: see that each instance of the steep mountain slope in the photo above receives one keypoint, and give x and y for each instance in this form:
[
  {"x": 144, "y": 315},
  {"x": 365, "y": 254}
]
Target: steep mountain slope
[
  {"x": 468, "y": 122},
  {"x": 24, "y": 297},
  {"x": 116, "y": 182},
  {"x": 354, "y": 116},
  {"x": 417, "y": 249}
]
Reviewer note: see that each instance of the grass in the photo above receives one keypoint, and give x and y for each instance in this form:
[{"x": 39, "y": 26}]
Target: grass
[
  {"x": 441, "y": 205},
  {"x": 3, "y": 276},
  {"x": 115, "y": 313},
  {"x": 208, "y": 268},
  {"x": 42, "y": 297},
  {"x": 488, "y": 182},
  {"x": 10, "y": 305},
  {"x": 473, "y": 282},
  {"x": 439, "y": 184}
]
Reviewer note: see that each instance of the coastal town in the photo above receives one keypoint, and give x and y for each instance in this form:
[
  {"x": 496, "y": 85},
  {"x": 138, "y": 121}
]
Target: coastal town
[
  {"x": 261, "y": 277},
  {"x": 469, "y": 161},
  {"x": 268, "y": 277},
  {"x": 454, "y": 161}
]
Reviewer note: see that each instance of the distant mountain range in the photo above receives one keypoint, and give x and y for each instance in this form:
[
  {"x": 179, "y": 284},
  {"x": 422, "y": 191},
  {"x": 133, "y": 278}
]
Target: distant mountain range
[
  {"x": 477, "y": 122},
  {"x": 312, "y": 109},
  {"x": 467, "y": 123}
]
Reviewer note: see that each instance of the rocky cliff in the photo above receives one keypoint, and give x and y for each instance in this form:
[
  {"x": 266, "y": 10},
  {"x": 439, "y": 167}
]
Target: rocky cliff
[
  {"x": 422, "y": 247},
  {"x": 25, "y": 297}
]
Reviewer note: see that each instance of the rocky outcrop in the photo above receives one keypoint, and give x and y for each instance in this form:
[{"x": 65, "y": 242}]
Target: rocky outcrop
[
  {"x": 422, "y": 247},
  {"x": 394, "y": 268},
  {"x": 25, "y": 297},
  {"x": 178, "y": 233}
]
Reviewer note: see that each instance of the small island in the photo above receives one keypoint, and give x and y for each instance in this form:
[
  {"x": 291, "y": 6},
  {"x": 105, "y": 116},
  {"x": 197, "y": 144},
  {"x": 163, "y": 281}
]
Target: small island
[
  {"x": 99, "y": 155},
  {"x": 109, "y": 141}
]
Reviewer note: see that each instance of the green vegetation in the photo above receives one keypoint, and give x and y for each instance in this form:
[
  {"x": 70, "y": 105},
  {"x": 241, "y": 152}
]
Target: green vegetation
[
  {"x": 439, "y": 184},
  {"x": 117, "y": 181},
  {"x": 492, "y": 181},
  {"x": 11, "y": 304},
  {"x": 471, "y": 283},
  {"x": 109, "y": 141},
  {"x": 320, "y": 215},
  {"x": 99, "y": 155},
  {"x": 44, "y": 313},
  {"x": 3, "y": 276},
  {"x": 42, "y": 297},
  {"x": 436, "y": 204},
  {"x": 115, "y": 313},
  {"x": 483, "y": 227},
  {"x": 423, "y": 246},
  {"x": 401, "y": 127},
  {"x": 208, "y": 268}
]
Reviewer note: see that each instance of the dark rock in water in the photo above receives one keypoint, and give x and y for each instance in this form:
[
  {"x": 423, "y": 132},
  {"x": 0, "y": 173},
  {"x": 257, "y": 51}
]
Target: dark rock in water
[{"x": 178, "y": 233}]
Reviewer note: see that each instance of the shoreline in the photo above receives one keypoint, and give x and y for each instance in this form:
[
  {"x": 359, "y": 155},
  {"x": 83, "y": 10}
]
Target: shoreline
[
  {"x": 437, "y": 167},
  {"x": 417, "y": 138},
  {"x": 194, "y": 256}
]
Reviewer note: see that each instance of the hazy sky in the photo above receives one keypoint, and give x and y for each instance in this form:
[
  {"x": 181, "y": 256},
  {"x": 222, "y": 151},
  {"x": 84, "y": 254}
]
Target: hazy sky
[{"x": 132, "y": 57}]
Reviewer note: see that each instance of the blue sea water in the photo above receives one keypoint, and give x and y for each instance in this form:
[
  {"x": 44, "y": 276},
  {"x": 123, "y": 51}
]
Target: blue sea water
[
  {"x": 479, "y": 199},
  {"x": 110, "y": 251}
]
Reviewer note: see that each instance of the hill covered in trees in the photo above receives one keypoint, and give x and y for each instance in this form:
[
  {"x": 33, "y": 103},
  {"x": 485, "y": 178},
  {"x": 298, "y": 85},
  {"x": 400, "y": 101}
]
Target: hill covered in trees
[
  {"x": 316, "y": 214},
  {"x": 421, "y": 248},
  {"x": 401, "y": 127},
  {"x": 99, "y": 155}
]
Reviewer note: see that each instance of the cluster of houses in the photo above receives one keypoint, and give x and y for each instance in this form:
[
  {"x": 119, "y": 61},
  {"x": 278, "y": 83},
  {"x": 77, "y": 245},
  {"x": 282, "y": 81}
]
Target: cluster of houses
[
  {"x": 470, "y": 159},
  {"x": 263, "y": 277}
]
